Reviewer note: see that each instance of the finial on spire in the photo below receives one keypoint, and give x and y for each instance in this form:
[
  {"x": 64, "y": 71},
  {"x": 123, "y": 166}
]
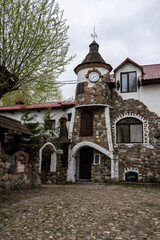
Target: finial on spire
[{"x": 94, "y": 35}]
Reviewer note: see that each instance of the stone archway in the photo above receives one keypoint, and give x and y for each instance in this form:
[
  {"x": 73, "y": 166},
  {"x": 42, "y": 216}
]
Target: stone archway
[
  {"x": 47, "y": 161},
  {"x": 131, "y": 174},
  {"x": 71, "y": 172}
]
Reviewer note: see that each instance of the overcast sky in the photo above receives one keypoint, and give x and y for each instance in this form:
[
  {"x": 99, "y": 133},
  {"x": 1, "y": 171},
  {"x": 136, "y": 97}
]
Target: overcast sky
[{"x": 125, "y": 28}]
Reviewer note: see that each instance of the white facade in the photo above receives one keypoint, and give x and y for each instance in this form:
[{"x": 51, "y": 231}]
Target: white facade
[
  {"x": 148, "y": 94},
  {"x": 39, "y": 116},
  {"x": 81, "y": 76}
]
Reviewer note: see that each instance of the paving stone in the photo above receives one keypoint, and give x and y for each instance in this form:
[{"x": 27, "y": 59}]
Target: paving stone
[{"x": 81, "y": 212}]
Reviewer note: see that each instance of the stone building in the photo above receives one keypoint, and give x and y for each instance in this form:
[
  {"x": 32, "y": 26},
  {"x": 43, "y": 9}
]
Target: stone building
[
  {"x": 16, "y": 172},
  {"x": 116, "y": 121},
  {"x": 112, "y": 131}
]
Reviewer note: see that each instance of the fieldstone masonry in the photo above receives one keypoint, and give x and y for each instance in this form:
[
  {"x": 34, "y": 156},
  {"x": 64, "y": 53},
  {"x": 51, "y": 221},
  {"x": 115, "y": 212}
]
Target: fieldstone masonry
[
  {"x": 141, "y": 158},
  {"x": 102, "y": 172},
  {"x": 99, "y": 128},
  {"x": 99, "y": 93},
  {"x": 16, "y": 172}
]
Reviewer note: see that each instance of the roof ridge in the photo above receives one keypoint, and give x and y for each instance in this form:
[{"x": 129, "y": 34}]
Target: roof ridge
[
  {"x": 150, "y": 64},
  {"x": 27, "y": 105},
  {"x": 9, "y": 118}
]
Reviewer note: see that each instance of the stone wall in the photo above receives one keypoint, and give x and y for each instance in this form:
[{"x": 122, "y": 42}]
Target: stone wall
[
  {"x": 99, "y": 128},
  {"x": 143, "y": 158},
  {"x": 95, "y": 95},
  {"x": 101, "y": 172},
  {"x": 99, "y": 93},
  {"x": 16, "y": 172},
  {"x": 58, "y": 177}
]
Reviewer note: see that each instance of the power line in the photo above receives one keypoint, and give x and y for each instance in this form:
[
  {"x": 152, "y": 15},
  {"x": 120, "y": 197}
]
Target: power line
[{"x": 67, "y": 82}]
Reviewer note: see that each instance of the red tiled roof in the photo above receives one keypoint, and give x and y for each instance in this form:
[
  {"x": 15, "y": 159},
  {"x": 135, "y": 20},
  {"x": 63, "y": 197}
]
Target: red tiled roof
[
  {"x": 12, "y": 124},
  {"x": 64, "y": 104},
  {"x": 151, "y": 71}
]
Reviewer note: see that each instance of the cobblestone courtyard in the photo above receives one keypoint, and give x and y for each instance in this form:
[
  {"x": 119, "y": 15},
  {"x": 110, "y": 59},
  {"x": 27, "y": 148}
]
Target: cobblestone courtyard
[{"x": 76, "y": 212}]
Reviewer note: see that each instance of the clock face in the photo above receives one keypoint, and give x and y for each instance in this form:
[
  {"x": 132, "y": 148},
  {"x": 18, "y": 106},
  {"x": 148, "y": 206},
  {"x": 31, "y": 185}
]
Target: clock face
[{"x": 93, "y": 76}]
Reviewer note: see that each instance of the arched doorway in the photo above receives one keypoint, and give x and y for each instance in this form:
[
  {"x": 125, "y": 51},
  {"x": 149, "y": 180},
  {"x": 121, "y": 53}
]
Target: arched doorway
[
  {"x": 84, "y": 164},
  {"x": 48, "y": 161},
  {"x": 75, "y": 155}
]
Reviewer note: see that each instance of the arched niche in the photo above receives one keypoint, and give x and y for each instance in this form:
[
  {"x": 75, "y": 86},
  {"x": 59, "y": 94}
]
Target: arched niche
[{"x": 53, "y": 160}]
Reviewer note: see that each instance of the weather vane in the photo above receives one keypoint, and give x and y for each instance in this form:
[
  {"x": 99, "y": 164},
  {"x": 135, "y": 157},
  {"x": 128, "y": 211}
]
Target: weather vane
[{"x": 94, "y": 35}]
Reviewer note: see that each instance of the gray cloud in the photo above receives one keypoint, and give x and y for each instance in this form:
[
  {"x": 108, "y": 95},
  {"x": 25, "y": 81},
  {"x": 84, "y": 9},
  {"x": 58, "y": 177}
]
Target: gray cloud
[{"x": 125, "y": 28}]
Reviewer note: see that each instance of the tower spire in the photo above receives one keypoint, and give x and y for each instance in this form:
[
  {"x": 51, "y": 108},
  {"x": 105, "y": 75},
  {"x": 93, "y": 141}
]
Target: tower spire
[{"x": 94, "y": 35}]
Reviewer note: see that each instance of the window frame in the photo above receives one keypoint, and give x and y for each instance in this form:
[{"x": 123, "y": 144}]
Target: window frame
[
  {"x": 69, "y": 116},
  {"x": 99, "y": 160},
  {"x": 129, "y": 131},
  {"x": 84, "y": 122},
  {"x": 50, "y": 124},
  {"x": 128, "y": 90},
  {"x": 80, "y": 88}
]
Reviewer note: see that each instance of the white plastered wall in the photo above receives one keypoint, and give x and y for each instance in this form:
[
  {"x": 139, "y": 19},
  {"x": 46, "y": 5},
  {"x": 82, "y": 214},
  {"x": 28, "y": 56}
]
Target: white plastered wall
[
  {"x": 81, "y": 75},
  {"x": 56, "y": 114},
  {"x": 148, "y": 94}
]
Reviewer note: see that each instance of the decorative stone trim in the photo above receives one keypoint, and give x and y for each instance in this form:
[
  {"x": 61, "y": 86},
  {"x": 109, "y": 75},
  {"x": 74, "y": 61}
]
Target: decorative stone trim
[
  {"x": 21, "y": 162},
  {"x": 71, "y": 171},
  {"x": 76, "y": 148},
  {"x": 145, "y": 130},
  {"x": 136, "y": 170},
  {"x": 70, "y": 131},
  {"x": 108, "y": 127},
  {"x": 92, "y": 65},
  {"x": 95, "y": 162},
  {"x": 53, "y": 157},
  {"x": 93, "y": 70},
  {"x": 93, "y": 105}
]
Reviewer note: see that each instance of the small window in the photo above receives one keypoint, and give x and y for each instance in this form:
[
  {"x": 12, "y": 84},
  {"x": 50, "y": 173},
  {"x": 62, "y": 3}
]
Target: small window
[
  {"x": 86, "y": 128},
  {"x": 80, "y": 88},
  {"x": 131, "y": 176},
  {"x": 129, "y": 130},
  {"x": 69, "y": 117},
  {"x": 96, "y": 159},
  {"x": 128, "y": 82},
  {"x": 50, "y": 124}
]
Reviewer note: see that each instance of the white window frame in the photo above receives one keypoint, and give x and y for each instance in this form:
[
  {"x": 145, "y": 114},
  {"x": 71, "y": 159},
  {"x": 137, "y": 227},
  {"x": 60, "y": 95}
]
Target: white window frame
[
  {"x": 145, "y": 128},
  {"x": 94, "y": 162}
]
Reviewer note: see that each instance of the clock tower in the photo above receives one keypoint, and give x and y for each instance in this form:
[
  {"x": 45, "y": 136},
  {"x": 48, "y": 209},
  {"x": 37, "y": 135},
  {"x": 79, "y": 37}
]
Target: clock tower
[
  {"x": 93, "y": 75},
  {"x": 91, "y": 150}
]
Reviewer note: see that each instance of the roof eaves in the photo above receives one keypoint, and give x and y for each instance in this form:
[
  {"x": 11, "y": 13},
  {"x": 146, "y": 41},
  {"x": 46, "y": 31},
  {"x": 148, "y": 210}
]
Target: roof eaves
[
  {"x": 37, "y": 106},
  {"x": 128, "y": 60}
]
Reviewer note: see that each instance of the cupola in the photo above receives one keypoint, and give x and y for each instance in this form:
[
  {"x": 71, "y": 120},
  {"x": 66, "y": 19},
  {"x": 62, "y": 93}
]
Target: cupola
[{"x": 93, "y": 59}]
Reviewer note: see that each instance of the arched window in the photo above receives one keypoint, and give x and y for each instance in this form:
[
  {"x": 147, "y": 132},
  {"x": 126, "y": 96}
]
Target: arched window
[{"x": 129, "y": 130}]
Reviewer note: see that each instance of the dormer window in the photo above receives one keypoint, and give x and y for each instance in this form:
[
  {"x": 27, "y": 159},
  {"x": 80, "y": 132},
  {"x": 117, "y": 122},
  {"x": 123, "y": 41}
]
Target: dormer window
[{"x": 128, "y": 82}]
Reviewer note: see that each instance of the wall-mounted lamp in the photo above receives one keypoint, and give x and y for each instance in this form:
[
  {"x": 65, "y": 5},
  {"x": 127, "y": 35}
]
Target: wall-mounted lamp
[
  {"x": 118, "y": 85},
  {"x": 139, "y": 83}
]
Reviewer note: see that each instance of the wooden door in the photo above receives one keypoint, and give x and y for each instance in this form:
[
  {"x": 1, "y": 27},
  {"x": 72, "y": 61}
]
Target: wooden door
[{"x": 86, "y": 160}]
